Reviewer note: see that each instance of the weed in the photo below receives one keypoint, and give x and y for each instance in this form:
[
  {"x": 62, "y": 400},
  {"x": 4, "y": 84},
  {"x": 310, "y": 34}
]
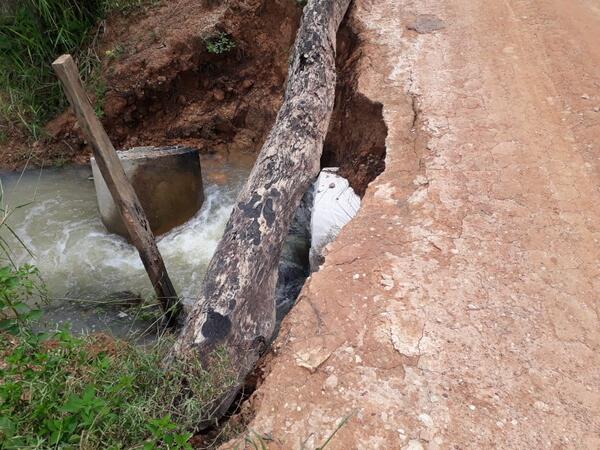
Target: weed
[
  {"x": 256, "y": 441},
  {"x": 32, "y": 34},
  {"x": 61, "y": 391},
  {"x": 64, "y": 391},
  {"x": 96, "y": 85},
  {"x": 219, "y": 43},
  {"x": 17, "y": 285},
  {"x": 60, "y": 161},
  {"x": 337, "y": 428},
  {"x": 116, "y": 52}
]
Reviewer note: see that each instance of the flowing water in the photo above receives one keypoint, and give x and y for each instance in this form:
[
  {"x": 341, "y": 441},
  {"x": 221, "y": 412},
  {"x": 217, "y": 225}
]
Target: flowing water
[{"x": 82, "y": 264}]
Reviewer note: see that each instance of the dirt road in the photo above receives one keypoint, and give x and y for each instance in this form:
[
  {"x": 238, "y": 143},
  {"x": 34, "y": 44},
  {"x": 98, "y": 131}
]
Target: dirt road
[{"x": 460, "y": 309}]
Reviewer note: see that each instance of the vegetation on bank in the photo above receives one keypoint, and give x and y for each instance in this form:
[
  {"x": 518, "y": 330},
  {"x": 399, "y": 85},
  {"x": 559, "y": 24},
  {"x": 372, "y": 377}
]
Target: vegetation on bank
[
  {"x": 62, "y": 391},
  {"x": 219, "y": 43},
  {"x": 32, "y": 34}
]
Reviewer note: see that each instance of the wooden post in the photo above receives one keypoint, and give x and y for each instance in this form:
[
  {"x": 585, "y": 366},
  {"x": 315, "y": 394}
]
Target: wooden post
[{"x": 121, "y": 190}]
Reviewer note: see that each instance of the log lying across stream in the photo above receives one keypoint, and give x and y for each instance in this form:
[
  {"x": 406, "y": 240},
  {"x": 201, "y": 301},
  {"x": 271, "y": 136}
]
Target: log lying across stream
[{"x": 236, "y": 307}]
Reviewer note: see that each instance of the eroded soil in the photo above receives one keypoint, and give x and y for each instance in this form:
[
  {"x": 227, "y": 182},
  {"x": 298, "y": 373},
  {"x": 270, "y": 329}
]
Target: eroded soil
[
  {"x": 459, "y": 309},
  {"x": 165, "y": 88}
]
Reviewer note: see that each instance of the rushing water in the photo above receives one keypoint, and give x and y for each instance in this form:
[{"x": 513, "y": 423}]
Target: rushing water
[{"x": 80, "y": 261}]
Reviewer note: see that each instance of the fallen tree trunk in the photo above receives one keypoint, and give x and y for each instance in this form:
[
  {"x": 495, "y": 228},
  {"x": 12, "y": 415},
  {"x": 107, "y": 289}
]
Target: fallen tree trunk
[{"x": 236, "y": 307}]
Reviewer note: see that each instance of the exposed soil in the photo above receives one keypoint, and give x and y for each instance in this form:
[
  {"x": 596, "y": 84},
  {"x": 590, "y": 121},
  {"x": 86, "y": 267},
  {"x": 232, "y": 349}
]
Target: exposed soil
[
  {"x": 165, "y": 88},
  {"x": 356, "y": 138},
  {"x": 459, "y": 308}
]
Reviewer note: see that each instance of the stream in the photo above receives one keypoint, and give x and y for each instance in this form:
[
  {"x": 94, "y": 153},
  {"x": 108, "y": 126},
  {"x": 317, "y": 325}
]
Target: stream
[{"x": 91, "y": 275}]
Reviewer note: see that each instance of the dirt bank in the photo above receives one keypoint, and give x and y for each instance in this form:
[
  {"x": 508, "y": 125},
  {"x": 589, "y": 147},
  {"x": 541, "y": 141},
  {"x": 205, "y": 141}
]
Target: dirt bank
[
  {"x": 164, "y": 86},
  {"x": 459, "y": 309}
]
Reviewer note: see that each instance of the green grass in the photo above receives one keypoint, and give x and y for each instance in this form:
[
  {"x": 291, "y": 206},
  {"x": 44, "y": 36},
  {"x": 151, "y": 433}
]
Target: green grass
[
  {"x": 32, "y": 34},
  {"x": 60, "y": 391},
  {"x": 219, "y": 43},
  {"x": 94, "y": 393}
]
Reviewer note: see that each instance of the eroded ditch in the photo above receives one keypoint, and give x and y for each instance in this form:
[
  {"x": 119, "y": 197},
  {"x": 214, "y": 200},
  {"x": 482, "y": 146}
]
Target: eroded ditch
[
  {"x": 165, "y": 87},
  {"x": 225, "y": 105}
]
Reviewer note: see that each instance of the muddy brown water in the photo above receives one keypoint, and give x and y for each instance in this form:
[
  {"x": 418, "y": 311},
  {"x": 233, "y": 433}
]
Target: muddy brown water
[{"x": 91, "y": 274}]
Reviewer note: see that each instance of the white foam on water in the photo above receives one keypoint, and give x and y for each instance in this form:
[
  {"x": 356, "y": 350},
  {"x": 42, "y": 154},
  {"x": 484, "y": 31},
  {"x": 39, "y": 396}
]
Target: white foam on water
[{"x": 78, "y": 258}]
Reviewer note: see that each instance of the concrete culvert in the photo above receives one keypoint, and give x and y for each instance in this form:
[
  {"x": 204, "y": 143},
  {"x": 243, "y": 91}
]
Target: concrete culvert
[{"x": 167, "y": 180}]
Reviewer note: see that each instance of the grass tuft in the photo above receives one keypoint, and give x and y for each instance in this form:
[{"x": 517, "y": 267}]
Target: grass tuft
[
  {"x": 96, "y": 393},
  {"x": 219, "y": 43},
  {"x": 60, "y": 391},
  {"x": 35, "y": 32}
]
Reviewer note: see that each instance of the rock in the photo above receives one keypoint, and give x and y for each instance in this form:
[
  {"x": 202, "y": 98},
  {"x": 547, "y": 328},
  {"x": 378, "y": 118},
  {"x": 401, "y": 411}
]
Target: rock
[
  {"x": 541, "y": 406},
  {"x": 414, "y": 444},
  {"x": 426, "y": 23},
  {"x": 331, "y": 382},
  {"x": 218, "y": 94},
  {"x": 426, "y": 420},
  {"x": 312, "y": 359}
]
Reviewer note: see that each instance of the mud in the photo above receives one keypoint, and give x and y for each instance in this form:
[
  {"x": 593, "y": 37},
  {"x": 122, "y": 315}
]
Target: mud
[{"x": 165, "y": 88}]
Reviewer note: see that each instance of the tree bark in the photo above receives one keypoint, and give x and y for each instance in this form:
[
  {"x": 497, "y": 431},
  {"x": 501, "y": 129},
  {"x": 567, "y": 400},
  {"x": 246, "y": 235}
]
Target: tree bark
[{"x": 236, "y": 307}]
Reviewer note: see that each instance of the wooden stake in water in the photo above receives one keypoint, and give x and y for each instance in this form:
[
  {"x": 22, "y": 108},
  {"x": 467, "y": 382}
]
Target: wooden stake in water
[{"x": 122, "y": 192}]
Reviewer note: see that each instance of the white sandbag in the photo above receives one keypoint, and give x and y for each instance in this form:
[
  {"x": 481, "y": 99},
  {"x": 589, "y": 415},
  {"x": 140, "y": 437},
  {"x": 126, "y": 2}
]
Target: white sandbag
[{"x": 334, "y": 204}]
